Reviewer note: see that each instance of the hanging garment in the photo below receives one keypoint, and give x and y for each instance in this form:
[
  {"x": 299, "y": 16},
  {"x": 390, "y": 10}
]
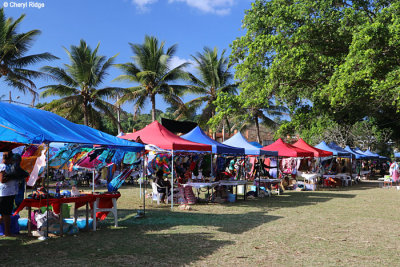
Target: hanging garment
[
  {"x": 117, "y": 182},
  {"x": 130, "y": 158},
  {"x": 40, "y": 162}
]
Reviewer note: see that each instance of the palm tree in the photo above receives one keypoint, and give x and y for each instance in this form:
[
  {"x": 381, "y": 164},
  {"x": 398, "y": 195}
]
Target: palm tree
[
  {"x": 79, "y": 82},
  {"x": 13, "y": 58},
  {"x": 151, "y": 69},
  {"x": 214, "y": 78},
  {"x": 253, "y": 114}
]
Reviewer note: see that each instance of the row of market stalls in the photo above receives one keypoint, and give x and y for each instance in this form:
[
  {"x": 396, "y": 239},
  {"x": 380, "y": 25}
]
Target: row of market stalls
[{"x": 193, "y": 160}]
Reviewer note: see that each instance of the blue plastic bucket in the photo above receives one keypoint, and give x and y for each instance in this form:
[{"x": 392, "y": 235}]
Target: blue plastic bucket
[
  {"x": 81, "y": 223},
  {"x": 231, "y": 198}
]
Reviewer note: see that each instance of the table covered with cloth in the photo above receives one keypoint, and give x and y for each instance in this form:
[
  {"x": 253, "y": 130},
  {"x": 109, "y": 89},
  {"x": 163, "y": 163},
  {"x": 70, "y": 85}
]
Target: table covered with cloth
[{"x": 80, "y": 201}]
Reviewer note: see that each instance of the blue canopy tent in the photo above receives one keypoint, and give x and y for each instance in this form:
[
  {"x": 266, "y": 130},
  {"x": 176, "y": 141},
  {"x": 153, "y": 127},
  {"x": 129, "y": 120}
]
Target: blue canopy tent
[
  {"x": 239, "y": 141},
  {"x": 354, "y": 153},
  {"x": 34, "y": 126},
  {"x": 197, "y": 135},
  {"x": 340, "y": 149},
  {"x": 335, "y": 152},
  {"x": 397, "y": 155},
  {"x": 256, "y": 144},
  {"x": 371, "y": 154},
  {"x": 359, "y": 151}
]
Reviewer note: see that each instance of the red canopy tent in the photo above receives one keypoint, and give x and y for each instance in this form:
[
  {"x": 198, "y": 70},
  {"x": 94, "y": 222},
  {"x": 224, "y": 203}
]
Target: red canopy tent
[
  {"x": 317, "y": 152},
  {"x": 287, "y": 150},
  {"x": 158, "y": 135}
]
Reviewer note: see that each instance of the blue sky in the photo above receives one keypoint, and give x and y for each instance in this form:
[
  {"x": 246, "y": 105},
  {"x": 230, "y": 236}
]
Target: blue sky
[{"x": 192, "y": 24}]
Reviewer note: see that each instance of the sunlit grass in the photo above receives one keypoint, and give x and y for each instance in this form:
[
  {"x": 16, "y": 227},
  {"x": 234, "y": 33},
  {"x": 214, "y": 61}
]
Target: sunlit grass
[{"x": 351, "y": 226}]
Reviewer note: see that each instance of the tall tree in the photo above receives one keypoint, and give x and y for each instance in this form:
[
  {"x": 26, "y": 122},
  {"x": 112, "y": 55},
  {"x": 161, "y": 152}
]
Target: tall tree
[
  {"x": 151, "y": 69},
  {"x": 13, "y": 59},
  {"x": 342, "y": 56},
  {"x": 214, "y": 77},
  {"x": 78, "y": 87}
]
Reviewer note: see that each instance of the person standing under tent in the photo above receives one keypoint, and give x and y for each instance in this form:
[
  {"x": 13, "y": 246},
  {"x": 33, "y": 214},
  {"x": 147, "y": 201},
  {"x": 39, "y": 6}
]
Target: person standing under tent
[
  {"x": 8, "y": 190},
  {"x": 394, "y": 172}
]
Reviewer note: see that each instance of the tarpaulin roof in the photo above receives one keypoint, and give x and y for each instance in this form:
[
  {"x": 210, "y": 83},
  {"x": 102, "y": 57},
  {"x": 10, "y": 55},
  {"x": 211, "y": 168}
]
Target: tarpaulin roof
[
  {"x": 158, "y": 135},
  {"x": 397, "y": 155},
  {"x": 335, "y": 152},
  {"x": 239, "y": 141},
  {"x": 197, "y": 135},
  {"x": 319, "y": 153},
  {"x": 178, "y": 126},
  {"x": 256, "y": 144},
  {"x": 34, "y": 126},
  {"x": 288, "y": 150},
  {"x": 355, "y": 154}
]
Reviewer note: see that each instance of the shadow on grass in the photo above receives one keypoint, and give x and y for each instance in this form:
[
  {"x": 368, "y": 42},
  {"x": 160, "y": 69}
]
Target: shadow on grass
[
  {"x": 148, "y": 241},
  {"x": 229, "y": 223},
  {"x": 121, "y": 246}
]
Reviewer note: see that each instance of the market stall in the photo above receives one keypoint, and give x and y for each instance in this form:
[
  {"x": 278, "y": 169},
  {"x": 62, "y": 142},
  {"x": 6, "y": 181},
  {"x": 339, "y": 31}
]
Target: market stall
[
  {"x": 158, "y": 135},
  {"x": 288, "y": 155},
  {"x": 25, "y": 125}
]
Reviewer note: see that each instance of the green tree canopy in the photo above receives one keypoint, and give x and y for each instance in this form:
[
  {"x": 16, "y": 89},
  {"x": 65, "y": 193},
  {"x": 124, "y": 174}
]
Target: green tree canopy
[
  {"x": 151, "y": 69},
  {"x": 213, "y": 77},
  {"x": 339, "y": 56},
  {"x": 79, "y": 86},
  {"x": 14, "y": 60}
]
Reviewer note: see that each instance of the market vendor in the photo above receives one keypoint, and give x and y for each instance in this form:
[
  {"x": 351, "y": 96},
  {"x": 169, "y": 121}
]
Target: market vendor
[
  {"x": 162, "y": 185},
  {"x": 10, "y": 175}
]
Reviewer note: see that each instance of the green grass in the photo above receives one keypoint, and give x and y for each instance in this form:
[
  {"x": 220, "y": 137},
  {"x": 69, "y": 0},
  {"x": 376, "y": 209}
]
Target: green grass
[{"x": 355, "y": 226}]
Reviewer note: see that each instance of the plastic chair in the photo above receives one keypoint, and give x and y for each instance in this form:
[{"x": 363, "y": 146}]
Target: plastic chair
[{"x": 156, "y": 195}]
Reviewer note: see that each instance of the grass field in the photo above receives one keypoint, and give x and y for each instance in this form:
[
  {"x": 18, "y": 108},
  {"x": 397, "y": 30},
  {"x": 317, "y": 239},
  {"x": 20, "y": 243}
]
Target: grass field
[{"x": 355, "y": 226}]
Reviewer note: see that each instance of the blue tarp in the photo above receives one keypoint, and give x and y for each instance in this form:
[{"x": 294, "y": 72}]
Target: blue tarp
[
  {"x": 354, "y": 153},
  {"x": 197, "y": 135},
  {"x": 239, "y": 141},
  {"x": 397, "y": 155},
  {"x": 256, "y": 144},
  {"x": 335, "y": 152},
  {"x": 34, "y": 126}
]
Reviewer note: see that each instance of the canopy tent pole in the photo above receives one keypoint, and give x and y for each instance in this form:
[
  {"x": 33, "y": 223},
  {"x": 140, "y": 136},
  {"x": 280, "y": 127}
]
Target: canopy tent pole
[
  {"x": 211, "y": 172},
  {"x": 46, "y": 235},
  {"x": 144, "y": 180},
  {"x": 172, "y": 180},
  {"x": 259, "y": 176},
  {"x": 94, "y": 173}
]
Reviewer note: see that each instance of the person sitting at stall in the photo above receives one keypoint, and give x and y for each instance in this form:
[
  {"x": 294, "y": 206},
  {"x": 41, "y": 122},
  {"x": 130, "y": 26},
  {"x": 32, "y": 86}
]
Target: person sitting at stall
[{"x": 162, "y": 185}]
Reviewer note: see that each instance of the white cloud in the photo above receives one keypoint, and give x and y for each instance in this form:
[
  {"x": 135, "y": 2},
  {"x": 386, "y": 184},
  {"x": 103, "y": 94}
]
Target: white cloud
[
  {"x": 142, "y": 5},
  {"x": 218, "y": 7},
  {"x": 176, "y": 61}
]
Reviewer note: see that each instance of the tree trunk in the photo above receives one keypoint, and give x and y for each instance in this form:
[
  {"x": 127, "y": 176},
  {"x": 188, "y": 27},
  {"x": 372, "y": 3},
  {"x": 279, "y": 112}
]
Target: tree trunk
[
  {"x": 153, "y": 107},
  {"x": 33, "y": 100},
  {"x": 85, "y": 114},
  {"x": 214, "y": 135},
  {"x": 257, "y": 129}
]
